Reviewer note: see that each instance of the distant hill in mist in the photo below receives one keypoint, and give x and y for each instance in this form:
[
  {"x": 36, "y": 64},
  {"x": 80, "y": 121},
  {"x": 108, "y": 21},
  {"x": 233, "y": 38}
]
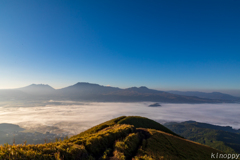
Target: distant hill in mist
[
  {"x": 7, "y": 127},
  {"x": 84, "y": 91},
  {"x": 12, "y": 94},
  {"x": 213, "y": 95}
]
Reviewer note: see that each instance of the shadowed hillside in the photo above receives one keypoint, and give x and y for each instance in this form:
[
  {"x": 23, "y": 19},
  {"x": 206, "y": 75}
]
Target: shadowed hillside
[
  {"x": 222, "y": 138},
  {"x": 122, "y": 138}
]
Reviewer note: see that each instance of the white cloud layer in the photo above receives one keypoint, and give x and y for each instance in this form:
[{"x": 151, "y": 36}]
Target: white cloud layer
[{"x": 79, "y": 117}]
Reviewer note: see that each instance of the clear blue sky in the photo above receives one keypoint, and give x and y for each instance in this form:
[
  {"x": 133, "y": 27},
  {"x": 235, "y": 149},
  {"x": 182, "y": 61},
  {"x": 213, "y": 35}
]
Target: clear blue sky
[{"x": 189, "y": 44}]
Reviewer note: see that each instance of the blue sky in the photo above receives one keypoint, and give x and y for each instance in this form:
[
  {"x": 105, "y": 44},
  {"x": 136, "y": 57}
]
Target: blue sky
[{"x": 173, "y": 45}]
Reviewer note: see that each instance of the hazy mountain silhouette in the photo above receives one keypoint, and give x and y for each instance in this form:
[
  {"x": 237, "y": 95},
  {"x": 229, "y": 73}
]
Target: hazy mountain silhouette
[
  {"x": 31, "y": 92},
  {"x": 13, "y": 94},
  {"x": 213, "y": 95},
  {"x": 84, "y": 91},
  {"x": 95, "y": 92},
  {"x": 38, "y": 89}
]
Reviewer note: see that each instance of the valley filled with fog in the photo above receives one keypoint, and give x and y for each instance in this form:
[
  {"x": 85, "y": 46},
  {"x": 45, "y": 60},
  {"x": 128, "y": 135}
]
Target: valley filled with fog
[{"x": 74, "y": 117}]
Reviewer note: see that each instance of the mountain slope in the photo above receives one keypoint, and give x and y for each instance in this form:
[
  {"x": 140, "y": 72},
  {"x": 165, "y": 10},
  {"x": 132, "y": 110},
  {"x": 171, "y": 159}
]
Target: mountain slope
[
  {"x": 115, "y": 140},
  {"x": 222, "y": 138}
]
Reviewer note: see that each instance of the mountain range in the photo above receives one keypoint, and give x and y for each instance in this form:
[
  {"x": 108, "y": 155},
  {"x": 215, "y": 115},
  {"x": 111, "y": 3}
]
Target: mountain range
[{"x": 84, "y": 91}]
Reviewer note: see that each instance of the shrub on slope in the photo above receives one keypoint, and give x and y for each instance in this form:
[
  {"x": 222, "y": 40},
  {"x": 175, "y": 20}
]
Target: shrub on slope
[{"x": 126, "y": 149}]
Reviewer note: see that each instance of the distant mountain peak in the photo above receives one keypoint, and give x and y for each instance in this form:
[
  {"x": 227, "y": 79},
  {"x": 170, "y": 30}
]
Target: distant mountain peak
[
  {"x": 38, "y": 89},
  {"x": 39, "y": 85},
  {"x": 143, "y": 87},
  {"x": 82, "y": 83},
  {"x": 133, "y": 88},
  {"x": 86, "y": 83}
]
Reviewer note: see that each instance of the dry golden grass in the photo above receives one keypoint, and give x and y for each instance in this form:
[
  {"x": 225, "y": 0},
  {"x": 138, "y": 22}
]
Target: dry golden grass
[{"x": 115, "y": 139}]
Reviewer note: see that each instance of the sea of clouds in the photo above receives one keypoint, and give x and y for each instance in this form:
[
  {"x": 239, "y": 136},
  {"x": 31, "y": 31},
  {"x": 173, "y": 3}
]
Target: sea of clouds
[{"x": 75, "y": 117}]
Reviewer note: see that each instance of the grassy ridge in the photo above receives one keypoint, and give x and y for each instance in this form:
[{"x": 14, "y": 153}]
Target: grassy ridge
[
  {"x": 142, "y": 122},
  {"x": 119, "y": 138},
  {"x": 98, "y": 142},
  {"x": 100, "y": 126}
]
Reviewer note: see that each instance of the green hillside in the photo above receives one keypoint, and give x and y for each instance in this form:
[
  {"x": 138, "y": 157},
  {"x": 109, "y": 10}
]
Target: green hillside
[
  {"x": 210, "y": 135},
  {"x": 135, "y": 138}
]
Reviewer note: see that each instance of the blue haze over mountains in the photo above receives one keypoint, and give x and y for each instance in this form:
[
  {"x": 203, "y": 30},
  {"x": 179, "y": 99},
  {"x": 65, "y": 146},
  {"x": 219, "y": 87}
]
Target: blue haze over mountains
[
  {"x": 84, "y": 91},
  {"x": 212, "y": 95}
]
